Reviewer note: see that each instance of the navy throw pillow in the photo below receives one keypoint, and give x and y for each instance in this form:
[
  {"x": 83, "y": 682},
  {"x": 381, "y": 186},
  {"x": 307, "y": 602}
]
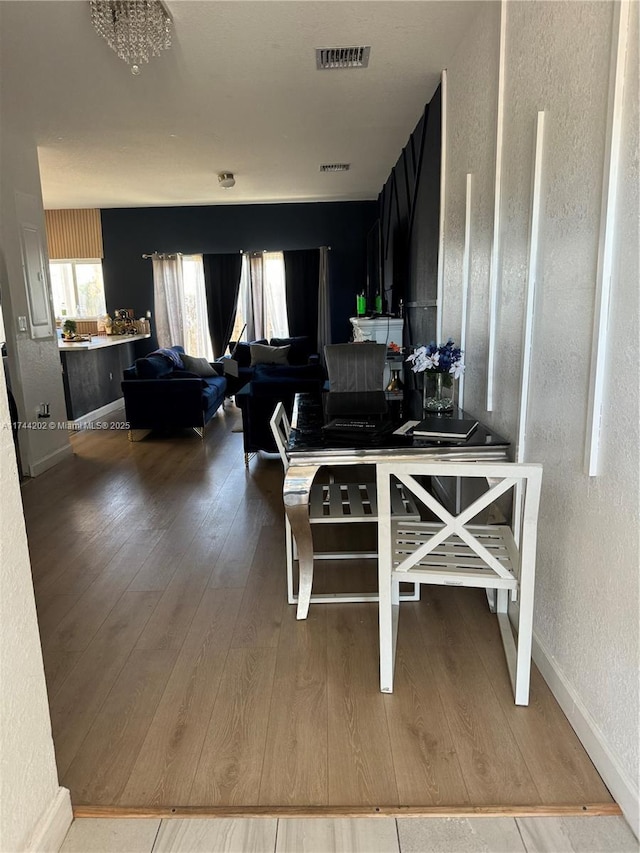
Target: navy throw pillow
[
  {"x": 172, "y": 354},
  {"x": 153, "y": 366}
]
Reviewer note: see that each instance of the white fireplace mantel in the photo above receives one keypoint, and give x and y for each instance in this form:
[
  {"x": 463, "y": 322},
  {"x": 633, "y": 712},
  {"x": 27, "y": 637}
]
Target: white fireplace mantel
[{"x": 382, "y": 330}]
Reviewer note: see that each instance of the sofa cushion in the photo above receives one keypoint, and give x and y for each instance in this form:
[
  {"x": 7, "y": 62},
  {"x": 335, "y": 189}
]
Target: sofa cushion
[
  {"x": 242, "y": 351},
  {"x": 264, "y": 354},
  {"x": 213, "y": 387},
  {"x": 182, "y": 374},
  {"x": 199, "y": 366},
  {"x": 153, "y": 366},
  {"x": 300, "y": 348},
  {"x": 272, "y": 374}
]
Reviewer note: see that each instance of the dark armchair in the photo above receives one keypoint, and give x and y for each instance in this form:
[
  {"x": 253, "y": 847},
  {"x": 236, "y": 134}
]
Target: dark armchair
[{"x": 272, "y": 384}]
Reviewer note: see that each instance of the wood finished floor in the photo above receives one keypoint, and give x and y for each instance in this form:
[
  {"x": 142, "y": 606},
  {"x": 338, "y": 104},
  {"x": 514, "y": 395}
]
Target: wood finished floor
[{"x": 179, "y": 676}]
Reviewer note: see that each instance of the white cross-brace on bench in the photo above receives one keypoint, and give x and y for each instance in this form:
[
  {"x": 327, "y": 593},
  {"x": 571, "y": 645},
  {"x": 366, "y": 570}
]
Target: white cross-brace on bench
[{"x": 453, "y": 551}]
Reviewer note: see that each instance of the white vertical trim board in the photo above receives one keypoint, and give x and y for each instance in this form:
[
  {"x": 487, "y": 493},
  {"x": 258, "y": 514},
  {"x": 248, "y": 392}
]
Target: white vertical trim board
[
  {"x": 529, "y": 315},
  {"x": 466, "y": 275},
  {"x": 443, "y": 189},
  {"x": 497, "y": 198},
  {"x": 607, "y": 235},
  {"x": 532, "y": 276}
]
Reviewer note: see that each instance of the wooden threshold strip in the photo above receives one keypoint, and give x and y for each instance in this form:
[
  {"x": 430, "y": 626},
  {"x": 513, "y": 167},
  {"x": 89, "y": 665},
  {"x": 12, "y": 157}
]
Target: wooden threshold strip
[{"x": 590, "y": 809}]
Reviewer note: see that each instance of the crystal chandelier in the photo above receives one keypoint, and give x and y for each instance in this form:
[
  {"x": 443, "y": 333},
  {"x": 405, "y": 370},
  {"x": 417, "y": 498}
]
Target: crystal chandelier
[{"x": 134, "y": 29}]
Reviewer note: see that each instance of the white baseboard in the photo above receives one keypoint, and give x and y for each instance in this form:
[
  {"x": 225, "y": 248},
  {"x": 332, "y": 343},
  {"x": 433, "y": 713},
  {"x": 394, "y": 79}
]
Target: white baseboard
[
  {"x": 97, "y": 414},
  {"x": 622, "y": 787},
  {"x": 53, "y": 825},
  {"x": 46, "y": 462}
]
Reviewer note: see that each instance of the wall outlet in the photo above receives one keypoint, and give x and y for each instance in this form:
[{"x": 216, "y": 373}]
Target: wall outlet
[{"x": 22, "y": 323}]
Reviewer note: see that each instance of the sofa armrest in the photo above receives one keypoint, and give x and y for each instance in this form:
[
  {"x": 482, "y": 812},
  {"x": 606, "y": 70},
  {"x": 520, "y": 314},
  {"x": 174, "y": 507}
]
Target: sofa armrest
[
  {"x": 152, "y": 403},
  {"x": 226, "y": 365}
]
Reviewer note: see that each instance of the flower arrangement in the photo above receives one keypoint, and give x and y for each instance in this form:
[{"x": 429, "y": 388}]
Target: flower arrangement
[
  {"x": 444, "y": 358},
  {"x": 443, "y": 363}
]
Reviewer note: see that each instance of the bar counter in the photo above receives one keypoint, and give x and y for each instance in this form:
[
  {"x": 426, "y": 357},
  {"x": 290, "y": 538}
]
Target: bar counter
[
  {"x": 99, "y": 341},
  {"x": 92, "y": 372}
]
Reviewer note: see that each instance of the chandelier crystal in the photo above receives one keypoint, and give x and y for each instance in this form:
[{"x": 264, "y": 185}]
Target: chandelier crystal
[{"x": 134, "y": 29}]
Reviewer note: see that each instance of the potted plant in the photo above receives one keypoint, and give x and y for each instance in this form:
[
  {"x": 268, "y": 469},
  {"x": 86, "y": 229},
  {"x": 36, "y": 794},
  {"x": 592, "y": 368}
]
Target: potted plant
[{"x": 69, "y": 330}]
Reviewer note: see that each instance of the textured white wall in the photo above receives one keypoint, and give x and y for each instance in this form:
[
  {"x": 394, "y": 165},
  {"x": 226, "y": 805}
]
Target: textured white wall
[
  {"x": 557, "y": 60},
  {"x": 34, "y": 810},
  {"x": 472, "y": 106},
  {"x": 28, "y": 775},
  {"x": 36, "y": 374}
]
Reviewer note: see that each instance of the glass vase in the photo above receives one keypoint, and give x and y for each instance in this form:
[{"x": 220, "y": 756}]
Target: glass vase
[{"x": 434, "y": 399}]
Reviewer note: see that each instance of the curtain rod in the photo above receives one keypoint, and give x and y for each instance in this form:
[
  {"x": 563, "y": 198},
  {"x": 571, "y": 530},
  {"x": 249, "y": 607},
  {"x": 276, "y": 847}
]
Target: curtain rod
[
  {"x": 163, "y": 256},
  {"x": 264, "y": 251}
]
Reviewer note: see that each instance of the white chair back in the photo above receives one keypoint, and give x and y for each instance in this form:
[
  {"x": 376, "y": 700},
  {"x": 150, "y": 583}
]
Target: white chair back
[
  {"x": 281, "y": 430},
  {"x": 455, "y": 549}
]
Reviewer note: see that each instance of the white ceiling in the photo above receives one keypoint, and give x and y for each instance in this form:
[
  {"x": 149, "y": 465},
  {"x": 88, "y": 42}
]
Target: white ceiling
[{"x": 238, "y": 91}]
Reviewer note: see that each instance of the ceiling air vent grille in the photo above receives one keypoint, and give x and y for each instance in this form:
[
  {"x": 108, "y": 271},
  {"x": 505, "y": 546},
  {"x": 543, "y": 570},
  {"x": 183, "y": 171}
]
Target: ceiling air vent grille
[
  {"x": 342, "y": 57},
  {"x": 335, "y": 167}
]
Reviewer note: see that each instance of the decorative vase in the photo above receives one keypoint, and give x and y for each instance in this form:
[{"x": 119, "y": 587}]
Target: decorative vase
[
  {"x": 395, "y": 383},
  {"x": 434, "y": 399}
]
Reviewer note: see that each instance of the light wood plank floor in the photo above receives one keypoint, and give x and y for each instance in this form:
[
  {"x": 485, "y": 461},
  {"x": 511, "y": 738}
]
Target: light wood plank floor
[{"x": 178, "y": 676}]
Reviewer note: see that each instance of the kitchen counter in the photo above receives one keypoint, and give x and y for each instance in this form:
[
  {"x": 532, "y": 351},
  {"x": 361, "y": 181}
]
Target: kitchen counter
[
  {"x": 92, "y": 372},
  {"x": 99, "y": 342}
]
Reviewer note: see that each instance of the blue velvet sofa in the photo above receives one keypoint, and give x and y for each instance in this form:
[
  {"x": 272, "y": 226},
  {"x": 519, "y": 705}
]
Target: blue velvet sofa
[{"x": 160, "y": 392}]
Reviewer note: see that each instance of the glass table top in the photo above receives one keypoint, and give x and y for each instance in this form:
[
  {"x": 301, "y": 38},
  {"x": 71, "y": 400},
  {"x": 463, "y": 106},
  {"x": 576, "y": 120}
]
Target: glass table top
[{"x": 366, "y": 422}]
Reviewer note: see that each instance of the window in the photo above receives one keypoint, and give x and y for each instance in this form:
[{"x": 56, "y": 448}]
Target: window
[
  {"x": 197, "y": 340},
  {"x": 262, "y": 302},
  {"x": 181, "y": 304},
  {"x": 78, "y": 288}
]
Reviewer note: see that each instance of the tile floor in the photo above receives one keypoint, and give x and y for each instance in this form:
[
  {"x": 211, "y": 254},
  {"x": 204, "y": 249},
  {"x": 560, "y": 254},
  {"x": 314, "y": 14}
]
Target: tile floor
[{"x": 361, "y": 835}]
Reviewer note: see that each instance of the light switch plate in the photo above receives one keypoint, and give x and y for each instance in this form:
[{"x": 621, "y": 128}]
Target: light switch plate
[{"x": 22, "y": 323}]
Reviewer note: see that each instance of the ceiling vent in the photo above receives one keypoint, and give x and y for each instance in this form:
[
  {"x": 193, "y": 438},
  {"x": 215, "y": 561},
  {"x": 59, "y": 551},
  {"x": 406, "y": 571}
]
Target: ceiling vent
[
  {"x": 342, "y": 57},
  {"x": 335, "y": 167}
]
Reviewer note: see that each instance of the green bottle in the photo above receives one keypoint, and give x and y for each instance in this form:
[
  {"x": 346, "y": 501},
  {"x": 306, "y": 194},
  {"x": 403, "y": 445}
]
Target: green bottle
[
  {"x": 378, "y": 304},
  {"x": 361, "y": 304}
]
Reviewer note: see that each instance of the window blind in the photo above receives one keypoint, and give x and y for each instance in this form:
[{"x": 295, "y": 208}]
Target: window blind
[{"x": 74, "y": 234}]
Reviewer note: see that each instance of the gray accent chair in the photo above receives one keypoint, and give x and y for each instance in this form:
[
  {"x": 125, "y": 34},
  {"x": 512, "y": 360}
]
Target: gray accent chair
[{"x": 356, "y": 367}]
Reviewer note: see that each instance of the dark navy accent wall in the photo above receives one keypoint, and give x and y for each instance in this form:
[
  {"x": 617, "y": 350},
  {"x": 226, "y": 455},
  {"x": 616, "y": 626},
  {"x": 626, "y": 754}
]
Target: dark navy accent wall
[
  {"x": 129, "y": 233},
  {"x": 409, "y": 213}
]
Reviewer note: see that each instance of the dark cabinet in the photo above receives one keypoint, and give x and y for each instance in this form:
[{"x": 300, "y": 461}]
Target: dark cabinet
[{"x": 92, "y": 377}]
